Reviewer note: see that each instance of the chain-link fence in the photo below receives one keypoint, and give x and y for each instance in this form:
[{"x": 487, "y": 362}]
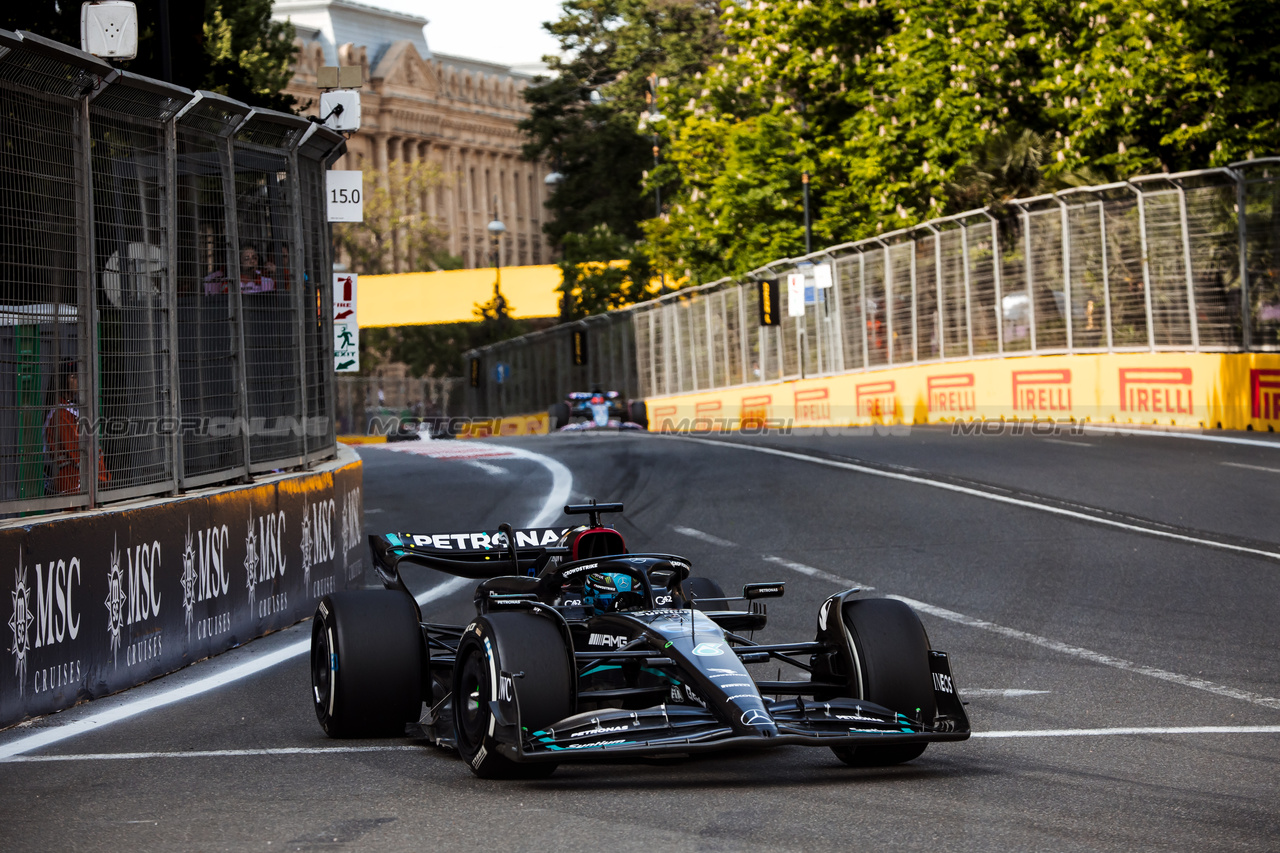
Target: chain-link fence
[
  {"x": 164, "y": 284},
  {"x": 371, "y": 405},
  {"x": 1162, "y": 262},
  {"x": 535, "y": 371}
]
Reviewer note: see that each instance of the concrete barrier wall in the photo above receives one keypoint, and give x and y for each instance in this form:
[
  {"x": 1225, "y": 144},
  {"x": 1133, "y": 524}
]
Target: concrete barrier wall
[
  {"x": 1235, "y": 391},
  {"x": 101, "y": 601}
]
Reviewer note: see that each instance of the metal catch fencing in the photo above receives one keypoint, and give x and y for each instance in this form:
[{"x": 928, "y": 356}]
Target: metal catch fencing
[
  {"x": 165, "y": 305},
  {"x": 1178, "y": 262},
  {"x": 371, "y": 405},
  {"x": 532, "y": 372}
]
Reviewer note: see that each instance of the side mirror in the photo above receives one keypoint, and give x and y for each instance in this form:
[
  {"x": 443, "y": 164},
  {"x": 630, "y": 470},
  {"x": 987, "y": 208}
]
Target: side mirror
[{"x": 753, "y": 591}]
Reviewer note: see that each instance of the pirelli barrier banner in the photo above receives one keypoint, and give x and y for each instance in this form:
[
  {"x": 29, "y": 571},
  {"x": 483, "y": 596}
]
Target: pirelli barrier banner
[
  {"x": 1237, "y": 391},
  {"x": 98, "y": 602}
]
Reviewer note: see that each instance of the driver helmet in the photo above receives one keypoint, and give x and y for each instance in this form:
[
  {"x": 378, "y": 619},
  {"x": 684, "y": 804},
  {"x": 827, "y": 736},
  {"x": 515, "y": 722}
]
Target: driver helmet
[{"x": 603, "y": 590}]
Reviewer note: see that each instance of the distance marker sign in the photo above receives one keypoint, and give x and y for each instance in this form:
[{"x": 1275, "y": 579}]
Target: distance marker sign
[{"x": 344, "y": 196}]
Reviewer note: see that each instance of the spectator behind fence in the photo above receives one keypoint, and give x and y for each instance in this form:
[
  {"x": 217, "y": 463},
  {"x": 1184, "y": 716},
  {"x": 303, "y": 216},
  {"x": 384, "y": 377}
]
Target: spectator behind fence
[
  {"x": 62, "y": 436},
  {"x": 251, "y": 278}
]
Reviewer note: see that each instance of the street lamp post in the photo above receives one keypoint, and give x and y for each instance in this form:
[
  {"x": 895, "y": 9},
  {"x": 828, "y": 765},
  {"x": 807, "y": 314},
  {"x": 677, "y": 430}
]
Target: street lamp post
[
  {"x": 651, "y": 100},
  {"x": 496, "y": 230}
]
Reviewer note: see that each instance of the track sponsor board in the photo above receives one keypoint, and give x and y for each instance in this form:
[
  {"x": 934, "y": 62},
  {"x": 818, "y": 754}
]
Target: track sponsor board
[
  {"x": 100, "y": 602},
  {"x": 1195, "y": 390}
]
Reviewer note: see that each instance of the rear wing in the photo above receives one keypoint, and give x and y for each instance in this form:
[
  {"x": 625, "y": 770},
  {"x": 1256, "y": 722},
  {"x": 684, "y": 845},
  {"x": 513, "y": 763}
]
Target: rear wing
[{"x": 475, "y": 554}]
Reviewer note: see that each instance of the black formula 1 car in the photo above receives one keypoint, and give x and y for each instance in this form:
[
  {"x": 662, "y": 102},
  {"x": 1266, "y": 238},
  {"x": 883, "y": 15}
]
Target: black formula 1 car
[{"x": 580, "y": 650}]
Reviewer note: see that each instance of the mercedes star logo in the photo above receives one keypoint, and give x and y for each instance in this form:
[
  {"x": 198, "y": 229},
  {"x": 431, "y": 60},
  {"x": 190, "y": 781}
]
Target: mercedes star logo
[{"x": 755, "y": 717}]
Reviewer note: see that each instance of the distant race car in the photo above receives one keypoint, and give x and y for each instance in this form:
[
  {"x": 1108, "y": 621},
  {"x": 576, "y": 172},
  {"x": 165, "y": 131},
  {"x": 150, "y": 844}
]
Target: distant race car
[
  {"x": 582, "y": 651},
  {"x": 597, "y": 410}
]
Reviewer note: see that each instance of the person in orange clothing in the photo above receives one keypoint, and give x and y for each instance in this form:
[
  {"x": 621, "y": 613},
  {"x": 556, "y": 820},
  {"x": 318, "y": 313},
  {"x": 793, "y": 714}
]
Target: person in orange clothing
[{"x": 62, "y": 436}]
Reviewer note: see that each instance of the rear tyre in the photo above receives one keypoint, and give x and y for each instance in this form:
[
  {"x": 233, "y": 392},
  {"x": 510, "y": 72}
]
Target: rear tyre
[
  {"x": 893, "y": 656},
  {"x": 696, "y": 589},
  {"x": 517, "y": 642},
  {"x": 366, "y": 663},
  {"x": 558, "y": 414}
]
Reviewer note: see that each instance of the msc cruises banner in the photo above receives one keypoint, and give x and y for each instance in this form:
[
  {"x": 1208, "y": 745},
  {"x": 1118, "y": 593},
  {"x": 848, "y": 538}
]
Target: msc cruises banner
[{"x": 100, "y": 602}]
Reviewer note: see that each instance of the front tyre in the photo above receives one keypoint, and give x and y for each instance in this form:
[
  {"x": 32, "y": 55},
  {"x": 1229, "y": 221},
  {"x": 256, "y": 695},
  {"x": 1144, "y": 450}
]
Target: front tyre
[
  {"x": 514, "y": 642},
  {"x": 893, "y": 662},
  {"x": 366, "y": 663}
]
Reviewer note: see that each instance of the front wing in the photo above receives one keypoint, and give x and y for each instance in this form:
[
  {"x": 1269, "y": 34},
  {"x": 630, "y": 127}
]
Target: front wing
[{"x": 684, "y": 729}]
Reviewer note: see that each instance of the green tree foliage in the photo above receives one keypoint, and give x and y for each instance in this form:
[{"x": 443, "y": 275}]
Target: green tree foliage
[
  {"x": 395, "y": 234},
  {"x": 586, "y": 120},
  {"x": 601, "y": 271},
  {"x": 227, "y": 46},
  {"x": 907, "y": 109}
]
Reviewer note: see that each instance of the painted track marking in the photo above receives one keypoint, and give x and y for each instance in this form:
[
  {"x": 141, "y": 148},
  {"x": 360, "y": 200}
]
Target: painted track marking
[
  {"x": 990, "y": 496},
  {"x": 705, "y": 537},
  {"x": 1253, "y": 467},
  {"x": 1044, "y": 642},
  {"x": 814, "y": 573},
  {"x": 1090, "y": 655},
  {"x": 1015, "y": 734}
]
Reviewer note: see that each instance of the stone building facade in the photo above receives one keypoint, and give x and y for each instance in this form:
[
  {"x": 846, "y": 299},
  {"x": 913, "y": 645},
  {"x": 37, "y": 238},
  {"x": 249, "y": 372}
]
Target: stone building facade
[{"x": 459, "y": 114}]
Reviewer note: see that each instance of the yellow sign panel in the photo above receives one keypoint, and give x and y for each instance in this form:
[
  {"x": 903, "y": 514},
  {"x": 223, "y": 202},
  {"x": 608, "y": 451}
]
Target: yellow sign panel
[{"x": 451, "y": 296}]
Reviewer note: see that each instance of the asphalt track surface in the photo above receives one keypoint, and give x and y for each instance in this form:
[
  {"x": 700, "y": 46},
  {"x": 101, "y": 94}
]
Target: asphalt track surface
[{"x": 1109, "y": 603}]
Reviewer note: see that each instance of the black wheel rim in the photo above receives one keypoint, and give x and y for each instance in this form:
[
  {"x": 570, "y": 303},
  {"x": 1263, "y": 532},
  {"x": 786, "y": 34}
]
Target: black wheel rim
[
  {"x": 472, "y": 701},
  {"x": 321, "y": 668}
]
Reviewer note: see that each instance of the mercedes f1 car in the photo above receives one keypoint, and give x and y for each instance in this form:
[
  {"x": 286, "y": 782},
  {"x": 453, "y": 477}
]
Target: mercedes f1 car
[{"x": 581, "y": 650}]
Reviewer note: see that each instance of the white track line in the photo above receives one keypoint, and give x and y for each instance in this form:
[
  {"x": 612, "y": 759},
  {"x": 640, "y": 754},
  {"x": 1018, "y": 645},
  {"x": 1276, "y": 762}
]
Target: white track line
[
  {"x": 1095, "y": 657},
  {"x": 1000, "y": 692},
  {"x": 1153, "y": 433},
  {"x": 347, "y": 750},
  {"x": 1152, "y": 730},
  {"x": 488, "y": 468},
  {"x": 978, "y": 493},
  {"x": 562, "y": 482},
  {"x": 216, "y": 753},
  {"x": 814, "y": 573},
  {"x": 1253, "y": 467},
  {"x": 1066, "y": 442},
  {"x": 705, "y": 537}
]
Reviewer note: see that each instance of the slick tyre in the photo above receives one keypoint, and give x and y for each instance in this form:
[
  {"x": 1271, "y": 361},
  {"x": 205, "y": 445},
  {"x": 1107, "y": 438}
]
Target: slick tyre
[
  {"x": 558, "y": 414},
  {"x": 637, "y": 414},
  {"x": 366, "y": 663},
  {"x": 699, "y": 589},
  {"x": 513, "y": 642},
  {"x": 893, "y": 657}
]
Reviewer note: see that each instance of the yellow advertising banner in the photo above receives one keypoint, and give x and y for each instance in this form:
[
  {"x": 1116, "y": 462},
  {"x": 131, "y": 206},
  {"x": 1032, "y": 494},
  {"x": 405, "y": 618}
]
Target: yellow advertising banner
[{"x": 1198, "y": 390}]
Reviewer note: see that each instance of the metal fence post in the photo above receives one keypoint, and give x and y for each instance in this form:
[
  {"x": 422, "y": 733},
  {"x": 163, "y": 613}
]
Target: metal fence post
[
  {"x": 233, "y": 290},
  {"x": 297, "y": 288},
  {"x": 1029, "y": 274},
  {"x": 1106, "y": 273},
  {"x": 1146, "y": 268},
  {"x": 997, "y": 263},
  {"x": 968, "y": 299},
  {"x": 1066, "y": 268},
  {"x": 171, "y": 298},
  {"x": 1186, "y": 264},
  {"x": 862, "y": 292},
  {"x": 1242, "y": 229},
  {"x": 85, "y": 248},
  {"x": 915, "y": 307},
  {"x": 888, "y": 304}
]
